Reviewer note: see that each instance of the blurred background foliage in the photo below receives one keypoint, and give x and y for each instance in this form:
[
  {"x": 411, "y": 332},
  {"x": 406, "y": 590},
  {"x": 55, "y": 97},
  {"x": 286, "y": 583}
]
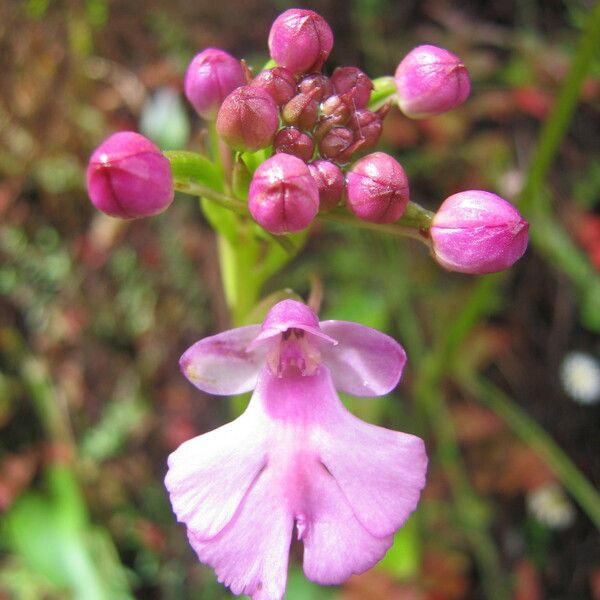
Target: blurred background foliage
[{"x": 94, "y": 313}]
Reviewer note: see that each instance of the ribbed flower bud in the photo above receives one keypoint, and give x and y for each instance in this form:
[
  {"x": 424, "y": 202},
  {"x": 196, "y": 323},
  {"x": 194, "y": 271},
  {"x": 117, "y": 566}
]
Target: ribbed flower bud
[
  {"x": 377, "y": 189},
  {"x": 316, "y": 85},
  {"x": 248, "y": 118},
  {"x": 301, "y": 111},
  {"x": 330, "y": 181},
  {"x": 283, "y": 196},
  {"x": 290, "y": 140},
  {"x": 128, "y": 177},
  {"x": 430, "y": 81},
  {"x": 279, "y": 82},
  {"x": 366, "y": 127},
  {"x": 478, "y": 232},
  {"x": 210, "y": 77},
  {"x": 352, "y": 81},
  {"x": 335, "y": 144},
  {"x": 300, "y": 40}
]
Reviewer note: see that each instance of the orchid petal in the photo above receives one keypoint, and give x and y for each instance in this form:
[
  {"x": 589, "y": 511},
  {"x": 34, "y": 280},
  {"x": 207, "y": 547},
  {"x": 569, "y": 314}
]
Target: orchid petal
[
  {"x": 336, "y": 545},
  {"x": 210, "y": 474},
  {"x": 222, "y": 364},
  {"x": 380, "y": 472},
  {"x": 250, "y": 556},
  {"x": 365, "y": 362}
]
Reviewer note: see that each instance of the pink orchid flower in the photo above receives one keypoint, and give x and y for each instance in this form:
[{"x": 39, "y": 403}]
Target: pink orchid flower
[{"x": 296, "y": 456}]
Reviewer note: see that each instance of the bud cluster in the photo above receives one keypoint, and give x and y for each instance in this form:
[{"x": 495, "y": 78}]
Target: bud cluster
[{"x": 316, "y": 126}]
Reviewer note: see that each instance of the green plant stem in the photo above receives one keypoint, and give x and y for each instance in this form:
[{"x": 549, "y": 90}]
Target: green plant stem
[
  {"x": 202, "y": 191},
  {"x": 392, "y": 228},
  {"x": 556, "y": 125},
  {"x": 547, "y": 233},
  {"x": 241, "y": 283},
  {"x": 537, "y": 439}
]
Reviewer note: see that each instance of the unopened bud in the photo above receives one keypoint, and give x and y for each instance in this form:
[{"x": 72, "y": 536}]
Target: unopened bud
[
  {"x": 300, "y": 40},
  {"x": 338, "y": 107},
  {"x": 128, "y": 177},
  {"x": 301, "y": 111},
  {"x": 210, "y": 77},
  {"x": 283, "y": 196},
  {"x": 290, "y": 140},
  {"x": 478, "y": 232},
  {"x": 335, "y": 144},
  {"x": 352, "y": 81},
  {"x": 279, "y": 82},
  {"x": 316, "y": 85},
  {"x": 430, "y": 81},
  {"x": 248, "y": 118},
  {"x": 367, "y": 127},
  {"x": 377, "y": 189},
  {"x": 330, "y": 181}
]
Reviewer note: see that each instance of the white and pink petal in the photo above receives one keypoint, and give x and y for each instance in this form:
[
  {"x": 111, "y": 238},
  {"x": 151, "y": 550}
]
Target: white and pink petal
[
  {"x": 210, "y": 475},
  {"x": 336, "y": 545},
  {"x": 365, "y": 362},
  {"x": 380, "y": 472},
  {"x": 250, "y": 556},
  {"x": 223, "y": 364}
]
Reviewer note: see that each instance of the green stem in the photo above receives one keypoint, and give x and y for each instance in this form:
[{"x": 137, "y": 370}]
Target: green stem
[
  {"x": 241, "y": 283},
  {"x": 557, "y": 123},
  {"x": 202, "y": 191},
  {"x": 393, "y": 228},
  {"x": 537, "y": 439},
  {"x": 384, "y": 91}
]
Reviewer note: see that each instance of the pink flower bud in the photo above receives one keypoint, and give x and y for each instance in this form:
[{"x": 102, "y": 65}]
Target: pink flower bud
[
  {"x": 248, "y": 118},
  {"x": 336, "y": 143},
  {"x": 317, "y": 85},
  {"x": 210, "y": 77},
  {"x": 290, "y": 140},
  {"x": 300, "y": 40},
  {"x": 330, "y": 181},
  {"x": 352, "y": 81},
  {"x": 430, "y": 81},
  {"x": 283, "y": 196},
  {"x": 377, "y": 188},
  {"x": 279, "y": 82},
  {"x": 128, "y": 177},
  {"x": 478, "y": 232},
  {"x": 301, "y": 111},
  {"x": 367, "y": 127}
]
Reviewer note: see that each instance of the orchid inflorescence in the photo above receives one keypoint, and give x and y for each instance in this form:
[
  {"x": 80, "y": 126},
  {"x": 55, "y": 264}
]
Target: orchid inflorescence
[{"x": 287, "y": 147}]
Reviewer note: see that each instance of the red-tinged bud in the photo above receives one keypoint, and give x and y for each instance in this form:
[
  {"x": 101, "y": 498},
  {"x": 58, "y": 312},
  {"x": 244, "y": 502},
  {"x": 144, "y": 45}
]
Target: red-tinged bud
[
  {"x": 210, "y": 77},
  {"x": 478, "y": 232},
  {"x": 300, "y": 40},
  {"x": 316, "y": 85},
  {"x": 334, "y": 145},
  {"x": 338, "y": 108},
  {"x": 290, "y": 140},
  {"x": 128, "y": 177},
  {"x": 279, "y": 82},
  {"x": 248, "y": 119},
  {"x": 377, "y": 189},
  {"x": 367, "y": 127},
  {"x": 350, "y": 80},
  {"x": 301, "y": 111},
  {"x": 283, "y": 196},
  {"x": 330, "y": 181},
  {"x": 430, "y": 81}
]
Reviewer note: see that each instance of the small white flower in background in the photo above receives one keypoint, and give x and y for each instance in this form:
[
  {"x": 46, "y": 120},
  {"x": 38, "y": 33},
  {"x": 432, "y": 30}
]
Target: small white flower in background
[
  {"x": 580, "y": 375},
  {"x": 550, "y": 506}
]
